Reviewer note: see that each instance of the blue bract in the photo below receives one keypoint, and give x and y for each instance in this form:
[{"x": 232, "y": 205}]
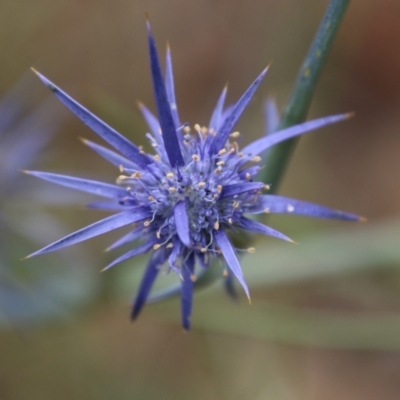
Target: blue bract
[{"x": 184, "y": 200}]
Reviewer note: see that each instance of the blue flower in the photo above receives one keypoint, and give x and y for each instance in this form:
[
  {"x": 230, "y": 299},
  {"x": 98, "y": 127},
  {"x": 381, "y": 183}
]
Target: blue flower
[{"x": 185, "y": 199}]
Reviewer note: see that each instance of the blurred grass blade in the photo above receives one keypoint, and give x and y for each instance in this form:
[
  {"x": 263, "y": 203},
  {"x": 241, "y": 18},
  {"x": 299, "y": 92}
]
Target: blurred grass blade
[
  {"x": 301, "y": 327},
  {"x": 375, "y": 246}
]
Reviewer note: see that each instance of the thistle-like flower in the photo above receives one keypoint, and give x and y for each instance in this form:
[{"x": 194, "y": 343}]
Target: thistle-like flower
[{"x": 185, "y": 199}]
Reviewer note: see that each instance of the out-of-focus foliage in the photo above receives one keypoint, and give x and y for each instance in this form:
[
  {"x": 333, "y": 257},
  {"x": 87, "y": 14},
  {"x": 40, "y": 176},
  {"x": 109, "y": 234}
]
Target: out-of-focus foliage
[
  {"x": 33, "y": 291},
  {"x": 90, "y": 46}
]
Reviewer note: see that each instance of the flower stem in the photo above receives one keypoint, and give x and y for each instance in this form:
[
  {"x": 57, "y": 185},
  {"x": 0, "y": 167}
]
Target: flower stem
[{"x": 299, "y": 103}]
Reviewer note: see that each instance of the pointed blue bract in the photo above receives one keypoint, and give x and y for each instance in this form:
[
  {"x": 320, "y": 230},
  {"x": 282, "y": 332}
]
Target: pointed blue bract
[
  {"x": 258, "y": 227},
  {"x": 169, "y": 130},
  {"x": 96, "y": 229},
  {"x": 129, "y": 237},
  {"x": 216, "y": 117},
  {"x": 110, "y": 135},
  {"x": 108, "y": 206},
  {"x": 279, "y": 204},
  {"x": 268, "y": 141},
  {"x": 170, "y": 89},
  {"x": 152, "y": 123},
  {"x": 110, "y": 156},
  {"x": 84, "y": 185},
  {"x": 182, "y": 223},
  {"x": 143, "y": 248},
  {"x": 226, "y": 127},
  {"x": 173, "y": 257},
  {"x": 187, "y": 291},
  {"x": 148, "y": 279},
  {"x": 239, "y": 188},
  {"x": 230, "y": 257}
]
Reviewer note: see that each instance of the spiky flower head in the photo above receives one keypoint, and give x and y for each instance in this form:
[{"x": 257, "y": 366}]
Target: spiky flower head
[{"x": 186, "y": 198}]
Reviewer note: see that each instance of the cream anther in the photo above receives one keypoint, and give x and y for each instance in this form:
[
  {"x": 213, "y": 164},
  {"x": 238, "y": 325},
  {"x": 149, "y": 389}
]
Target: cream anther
[{"x": 136, "y": 175}]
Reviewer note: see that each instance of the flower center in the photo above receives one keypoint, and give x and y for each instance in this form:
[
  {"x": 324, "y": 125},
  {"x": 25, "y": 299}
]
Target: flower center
[{"x": 199, "y": 184}]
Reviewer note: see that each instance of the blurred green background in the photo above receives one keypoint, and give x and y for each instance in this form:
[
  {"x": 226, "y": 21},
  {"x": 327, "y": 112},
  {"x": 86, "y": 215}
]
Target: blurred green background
[{"x": 325, "y": 316}]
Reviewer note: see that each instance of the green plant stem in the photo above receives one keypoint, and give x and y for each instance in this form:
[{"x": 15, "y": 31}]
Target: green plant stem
[{"x": 300, "y": 100}]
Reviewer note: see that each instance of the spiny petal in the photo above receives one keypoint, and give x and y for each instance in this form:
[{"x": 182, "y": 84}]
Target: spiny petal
[
  {"x": 230, "y": 257},
  {"x": 279, "y": 204},
  {"x": 152, "y": 122},
  {"x": 143, "y": 248},
  {"x": 182, "y": 223},
  {"x": 170, "y": 87},
  {"x": 231, "y": 119},
  {"x": 258, "y": 227},
  {"x": 98, "y": 228},
  {"x": 108, "y": 206},
  {"x": 210, "y": 138},
  {"x": 84, "y": 185},
  {"x": 217, "y": 113},
  {"x": 266, "y": 142},
  {"x": 226, "y": 112},
  {"x": 123, "y": 145},
  {"x": 145, "y": 285},
  {"x": 169, "y": 130},
  {"x": 239, "y": 188},
  {"x": 175, "y": 253},
  {"x": 129, "y": 237},
  {"x": 187, "y": 291},
  {"x": 109, "y": 155}
]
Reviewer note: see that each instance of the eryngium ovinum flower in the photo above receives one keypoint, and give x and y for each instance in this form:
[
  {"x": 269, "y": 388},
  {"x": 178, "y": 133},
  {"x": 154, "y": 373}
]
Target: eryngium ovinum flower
[{"x": 186, "y": 198}]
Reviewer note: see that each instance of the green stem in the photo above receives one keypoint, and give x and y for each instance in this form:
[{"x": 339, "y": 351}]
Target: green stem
[{"x": 299, "y": 103}]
